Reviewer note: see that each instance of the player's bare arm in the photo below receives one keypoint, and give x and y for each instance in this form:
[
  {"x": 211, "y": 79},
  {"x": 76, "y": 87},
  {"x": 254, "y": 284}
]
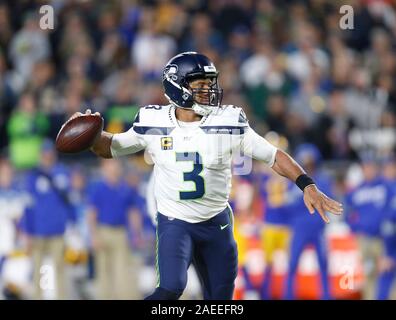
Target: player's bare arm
[
  {"x": 314, "y": 199},
  {"x": 101, "y": 147}
]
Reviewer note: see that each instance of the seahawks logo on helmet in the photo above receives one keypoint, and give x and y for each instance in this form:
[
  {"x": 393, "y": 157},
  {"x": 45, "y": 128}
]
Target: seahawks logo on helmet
[{"x": 170, "y": 72}]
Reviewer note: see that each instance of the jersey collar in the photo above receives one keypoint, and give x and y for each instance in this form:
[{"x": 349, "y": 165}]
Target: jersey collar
[{"x": 172, "y": 116}]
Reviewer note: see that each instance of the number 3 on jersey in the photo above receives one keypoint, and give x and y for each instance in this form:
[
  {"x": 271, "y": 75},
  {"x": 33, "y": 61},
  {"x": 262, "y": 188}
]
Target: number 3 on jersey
[{"x": 193, "y": 175}]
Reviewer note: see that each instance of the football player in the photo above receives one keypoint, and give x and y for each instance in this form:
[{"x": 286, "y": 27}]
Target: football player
[{"x": 191, "y": 141}]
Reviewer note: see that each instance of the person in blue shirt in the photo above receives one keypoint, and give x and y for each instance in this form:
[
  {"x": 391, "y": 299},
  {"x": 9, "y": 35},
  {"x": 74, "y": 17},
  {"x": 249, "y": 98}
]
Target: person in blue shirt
[
  {"x": 46, "y": 216},
  {"x": 113, "y": 208},
  {"x": 387, "y": 264},
  {"x": 306, "y": 229},
  {"x": 365, "y": 208}
]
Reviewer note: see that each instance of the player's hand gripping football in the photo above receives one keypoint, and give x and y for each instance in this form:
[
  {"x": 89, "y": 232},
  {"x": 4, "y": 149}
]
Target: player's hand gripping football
[
  {"x": 80, "y": 132},
  {"x": 79, "y": 114},
  {"x": 314, "y": 199},
  {"x": 90, "y": 134}
]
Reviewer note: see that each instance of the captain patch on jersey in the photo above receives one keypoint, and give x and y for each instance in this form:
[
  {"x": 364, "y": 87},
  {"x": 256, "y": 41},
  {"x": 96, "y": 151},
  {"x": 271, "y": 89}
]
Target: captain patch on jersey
[{"x": 166, "y": 143}]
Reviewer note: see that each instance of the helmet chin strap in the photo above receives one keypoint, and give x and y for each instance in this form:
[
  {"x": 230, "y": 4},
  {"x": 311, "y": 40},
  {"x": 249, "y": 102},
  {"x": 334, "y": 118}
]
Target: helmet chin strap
[
  {"x": 197, "y": 108},
  {"x": 201, "y": 109}
]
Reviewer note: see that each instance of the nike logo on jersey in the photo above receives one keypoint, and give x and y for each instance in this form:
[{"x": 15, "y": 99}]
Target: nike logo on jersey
[{"x": 223, "y": 227}]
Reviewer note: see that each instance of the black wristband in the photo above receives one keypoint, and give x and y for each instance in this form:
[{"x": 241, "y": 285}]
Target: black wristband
[{"x": 303, "y": 181}]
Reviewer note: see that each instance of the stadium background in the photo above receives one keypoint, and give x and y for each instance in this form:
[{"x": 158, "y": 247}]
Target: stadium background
[{"x": 287, "y": 63}]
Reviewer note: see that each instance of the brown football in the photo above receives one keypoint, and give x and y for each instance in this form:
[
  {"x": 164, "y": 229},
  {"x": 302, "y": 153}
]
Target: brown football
[{"x": 79, "y": 134}]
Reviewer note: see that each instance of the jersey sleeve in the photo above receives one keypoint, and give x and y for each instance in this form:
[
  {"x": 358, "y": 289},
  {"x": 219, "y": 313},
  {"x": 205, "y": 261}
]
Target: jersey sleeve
[
  {"x": 127, "y": 142},
  {"x": 257, "y": 147}
]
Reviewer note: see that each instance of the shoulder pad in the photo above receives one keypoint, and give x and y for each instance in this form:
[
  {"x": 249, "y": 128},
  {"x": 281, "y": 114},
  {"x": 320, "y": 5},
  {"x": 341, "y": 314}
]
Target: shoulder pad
[
  {"x": 153, "y": 120},
  {"x": 154, "y": 116}
]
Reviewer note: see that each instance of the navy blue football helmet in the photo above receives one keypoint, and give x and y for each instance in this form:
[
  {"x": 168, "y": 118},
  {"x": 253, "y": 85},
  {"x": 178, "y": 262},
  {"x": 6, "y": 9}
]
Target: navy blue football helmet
[{"x": 180, "y": 71}]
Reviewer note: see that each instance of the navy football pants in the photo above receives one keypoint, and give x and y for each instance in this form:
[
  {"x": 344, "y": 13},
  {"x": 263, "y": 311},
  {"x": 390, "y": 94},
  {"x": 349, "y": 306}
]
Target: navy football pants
[{"x": 209, "y": 245}]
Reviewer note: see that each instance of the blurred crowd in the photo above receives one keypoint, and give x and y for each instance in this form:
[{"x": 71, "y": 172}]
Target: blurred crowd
[{"x": 325, "y": 91}]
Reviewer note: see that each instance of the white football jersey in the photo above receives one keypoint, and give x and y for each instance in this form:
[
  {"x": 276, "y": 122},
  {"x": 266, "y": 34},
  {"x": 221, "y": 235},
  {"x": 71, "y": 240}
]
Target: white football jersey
[{"x": 192, "y": 161}]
